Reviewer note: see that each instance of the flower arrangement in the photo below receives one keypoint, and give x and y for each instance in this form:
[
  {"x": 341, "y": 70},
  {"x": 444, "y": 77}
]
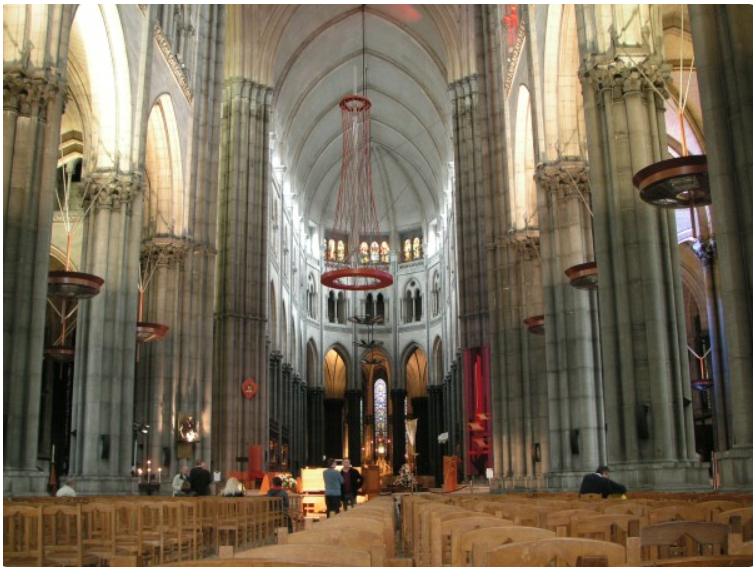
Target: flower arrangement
[
  {"x": 405, "y": 478},
  {"x": 289, "y": 482}
]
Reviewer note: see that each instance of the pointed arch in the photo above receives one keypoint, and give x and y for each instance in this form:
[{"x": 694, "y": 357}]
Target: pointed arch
[
  {"x": 164, "y": 203},
  {"x": 312, "y": 361},
  {"x": 336, "y": 372},
  {"x": 524, "y": 206}
]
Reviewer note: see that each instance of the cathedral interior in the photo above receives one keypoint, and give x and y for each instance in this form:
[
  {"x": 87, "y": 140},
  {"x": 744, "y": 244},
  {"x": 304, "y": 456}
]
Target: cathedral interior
[{"x": 172, "y": 182}]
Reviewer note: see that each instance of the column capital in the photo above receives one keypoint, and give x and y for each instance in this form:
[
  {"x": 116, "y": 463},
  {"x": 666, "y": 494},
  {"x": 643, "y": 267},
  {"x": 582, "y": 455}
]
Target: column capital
[
  {"x": 526, "y": 243},
  {"x": 564, "y": 178},
  {"x": 112, "y": 190},
  {"x": 166, "y": 251},
  {"x": 624, "y": 77},
  {"x": 28, "y": 94},
  {"x": 706, "y": 251},
  {"x": 287, "y": 368}
]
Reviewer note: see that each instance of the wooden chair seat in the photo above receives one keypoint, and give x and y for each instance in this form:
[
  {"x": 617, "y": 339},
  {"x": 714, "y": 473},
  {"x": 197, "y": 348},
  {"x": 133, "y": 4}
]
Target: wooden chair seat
[{"x": 555, "y": 552}]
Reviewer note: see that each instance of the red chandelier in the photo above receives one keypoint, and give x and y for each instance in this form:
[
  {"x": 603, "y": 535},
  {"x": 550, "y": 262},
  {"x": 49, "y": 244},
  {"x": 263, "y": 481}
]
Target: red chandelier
[{"x": 355, "y": 221}]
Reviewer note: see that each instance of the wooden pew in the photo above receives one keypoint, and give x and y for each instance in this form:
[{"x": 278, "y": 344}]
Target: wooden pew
[{"x": 681, "y": 539}]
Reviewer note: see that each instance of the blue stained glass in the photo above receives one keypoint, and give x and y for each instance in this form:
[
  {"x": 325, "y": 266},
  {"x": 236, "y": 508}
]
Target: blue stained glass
[{"x": 379, "y": 394}]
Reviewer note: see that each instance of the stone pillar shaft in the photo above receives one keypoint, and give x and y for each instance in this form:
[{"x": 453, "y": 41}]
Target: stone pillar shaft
[
  {"x": 354, "y": 421},
  {"x": 34, "y": 85},
  {"x": 241, "y": 302},
  {"x": 647, "y": 390},
  {"x": 573, "y": 359},
  {"x": 399, "y": 430},
  {"x": 723, "y": 45}
]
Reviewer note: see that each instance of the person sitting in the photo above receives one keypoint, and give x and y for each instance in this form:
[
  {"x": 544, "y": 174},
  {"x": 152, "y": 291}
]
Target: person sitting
[
  {"x": 600, "y": 483},
  {"x": 233, "y": 488},
  {"x": 276, "y": 490},
  {"x": 67, "y": 490}
]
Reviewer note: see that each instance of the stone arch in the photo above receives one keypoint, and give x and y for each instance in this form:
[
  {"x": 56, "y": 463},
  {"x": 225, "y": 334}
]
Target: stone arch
[
  {"x": 312, "y": 367},
  {"x": 164, "y": 203},
  {"x": 438, "y": 361},
  {"x": 99, "y": 83},
  {"x": 273, "y": 313},
  {"x": 336, "y": 372},
  {"x": 524, "y": 207},
  {"x": 284, "y": 333}
]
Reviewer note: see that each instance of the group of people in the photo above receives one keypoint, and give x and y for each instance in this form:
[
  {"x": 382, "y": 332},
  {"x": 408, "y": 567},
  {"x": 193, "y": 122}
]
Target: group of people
[
  {"x": 341, "y": 487},
  {"x": 193, "y": 483}
]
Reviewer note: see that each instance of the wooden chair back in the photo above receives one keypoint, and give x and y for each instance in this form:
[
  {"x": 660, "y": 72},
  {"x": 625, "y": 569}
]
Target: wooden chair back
[
  {"x": 638, "y": 509},
  {"x": 682, "y": 539},
  {"x": 307, "y": 553},
  {"x": 744, "y": 521},
  {"x": 559, "y": 521},
  {"x": 714, "y": 507},
  {"x": 553, "y": 552},
  {"x": 679, "y": 512},
  {"x": 490, "y": 537},
  {"x": 356, "y": 539},
  {"x": 22, "y": 535},
  {"x": 437, "y": 543}
]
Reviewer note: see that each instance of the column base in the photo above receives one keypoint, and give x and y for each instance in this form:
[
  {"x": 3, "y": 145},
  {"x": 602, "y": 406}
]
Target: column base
[
  {"x": 103, "y": 485},
  {"x": 24, "y": 482},
  {"x": 736, "y": 469},
  {"x": 640, "y": 476}
]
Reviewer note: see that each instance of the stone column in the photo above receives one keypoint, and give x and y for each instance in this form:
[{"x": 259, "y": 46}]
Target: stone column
[
  {"x": 706, "y": 251},
  {"x": 34, "y": 86},
  {"x": 158, "y": 395},
  {"x": 470, "y": 210},
  {"x": 723, "y": 45},
  {"x": 103, "y": 404},
  {"x": 436, "y": 423},
  {"x": 315, "y": 427},
  {"x": 650, "y": 439},
  {"x": 241, "y": 302},
  {"x": 520, "y": 394},
  {"x": 284, "y": 400},
  {"x": 573, "y": 360},
  {"x": 398, "y": 428},
  {"x": 354, "y": 421}
]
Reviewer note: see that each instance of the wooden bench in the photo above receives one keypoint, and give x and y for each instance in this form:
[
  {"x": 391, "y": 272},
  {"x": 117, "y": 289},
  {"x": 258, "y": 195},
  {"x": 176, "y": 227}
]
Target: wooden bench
[{"x": 488, "y": 538}]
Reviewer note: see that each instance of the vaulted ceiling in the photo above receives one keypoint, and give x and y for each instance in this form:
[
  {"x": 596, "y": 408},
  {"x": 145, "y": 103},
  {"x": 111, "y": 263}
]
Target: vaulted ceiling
[{"x": 400, "y": 56}]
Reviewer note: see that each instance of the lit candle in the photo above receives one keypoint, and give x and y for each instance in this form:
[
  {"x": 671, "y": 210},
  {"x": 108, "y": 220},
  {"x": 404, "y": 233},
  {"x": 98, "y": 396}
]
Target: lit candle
[{"x": 160, "y": 474}]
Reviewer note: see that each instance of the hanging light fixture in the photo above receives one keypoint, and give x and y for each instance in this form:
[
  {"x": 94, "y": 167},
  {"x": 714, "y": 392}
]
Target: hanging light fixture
[
  {"x": 536, "y": 325},
  {"x": 681, "y": 182},
  {"x": 66, "y": 283},
  {"x": 583, "y": 276},
  {"x": 148, "y": 331},
  {"x": 355, "y": 220}
]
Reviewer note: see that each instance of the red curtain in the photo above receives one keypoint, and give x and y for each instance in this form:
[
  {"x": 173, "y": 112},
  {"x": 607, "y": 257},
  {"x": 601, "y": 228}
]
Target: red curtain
[{"x": 477, "y": 410}]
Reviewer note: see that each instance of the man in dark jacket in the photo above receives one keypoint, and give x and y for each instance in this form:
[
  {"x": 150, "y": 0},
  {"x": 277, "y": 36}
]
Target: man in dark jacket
[
  {"x": 200, "y": 478},
  {"x": 600, "y": 483},
  {"x": 352, "y": 483}
]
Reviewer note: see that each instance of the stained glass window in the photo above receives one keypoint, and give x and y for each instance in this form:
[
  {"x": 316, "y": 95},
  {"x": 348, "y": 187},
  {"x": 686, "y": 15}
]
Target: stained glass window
[
  {"x": 364, "y": 258},
  {"x": 340, "y": 250},
  {"x": 384, "y": 252},
  {"x": 375, "y": 255},
  {"x": 331, "y": 249},
  {"x": 407, "y": 250},
  {"x": 416, "y": 251},
  {"x": 381, "y": 408}
]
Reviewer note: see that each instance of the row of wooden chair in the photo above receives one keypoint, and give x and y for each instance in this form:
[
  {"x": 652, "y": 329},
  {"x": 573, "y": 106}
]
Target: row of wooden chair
[
  {"x": 442, "y": 529},
  {"x": 362, "y": 536},
  {"x": 141, "y": 531}
]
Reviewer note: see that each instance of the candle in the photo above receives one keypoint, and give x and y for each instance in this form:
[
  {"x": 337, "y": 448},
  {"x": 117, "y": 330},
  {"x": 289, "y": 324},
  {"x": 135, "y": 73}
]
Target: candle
[{"x": 160, "y": 474}]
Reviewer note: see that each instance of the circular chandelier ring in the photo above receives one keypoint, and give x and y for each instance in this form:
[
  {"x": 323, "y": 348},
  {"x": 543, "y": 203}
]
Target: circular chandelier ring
[{"x": 379, "y": 278}]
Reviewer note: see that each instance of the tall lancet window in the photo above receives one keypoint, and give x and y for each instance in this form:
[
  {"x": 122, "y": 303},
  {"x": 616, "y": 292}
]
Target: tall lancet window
[{"x": 381, "y": 415}]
